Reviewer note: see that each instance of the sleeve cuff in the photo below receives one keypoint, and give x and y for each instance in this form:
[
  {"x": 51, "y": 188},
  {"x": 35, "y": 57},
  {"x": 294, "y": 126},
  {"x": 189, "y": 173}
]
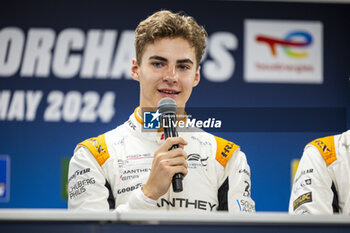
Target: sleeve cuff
[{"x": 143, "y": 197}]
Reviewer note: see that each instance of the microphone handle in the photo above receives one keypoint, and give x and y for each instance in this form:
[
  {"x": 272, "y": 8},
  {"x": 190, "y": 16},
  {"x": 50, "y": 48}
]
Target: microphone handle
[
  {"x": 171, "y": 131},
  {"x": 177, "y": 178}
]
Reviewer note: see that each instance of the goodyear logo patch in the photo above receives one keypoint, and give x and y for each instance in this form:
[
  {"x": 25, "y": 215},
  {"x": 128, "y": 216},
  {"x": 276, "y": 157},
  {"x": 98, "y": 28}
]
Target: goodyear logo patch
[{"x": 305, "y": 198}]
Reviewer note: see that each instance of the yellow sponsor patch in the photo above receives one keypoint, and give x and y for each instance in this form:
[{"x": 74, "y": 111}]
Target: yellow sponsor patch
[
  {"x": 224, "y": 150},
  {"x": 293, "y": 169},
  {"x": 98, "y": 148},
  {"x": 305, "y": 198},
  {"x": 326, "y": 147}
]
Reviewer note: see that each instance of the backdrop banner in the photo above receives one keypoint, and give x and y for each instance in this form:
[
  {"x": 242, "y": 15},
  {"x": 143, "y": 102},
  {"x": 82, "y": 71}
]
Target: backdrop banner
[{"x": 275, "y": 74}]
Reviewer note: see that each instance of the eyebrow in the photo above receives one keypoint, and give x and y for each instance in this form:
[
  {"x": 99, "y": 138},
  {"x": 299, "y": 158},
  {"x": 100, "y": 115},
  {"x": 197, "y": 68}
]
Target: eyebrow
[
  {"x": 186, "y": 60},
  {"x": 158, "y": 58}
]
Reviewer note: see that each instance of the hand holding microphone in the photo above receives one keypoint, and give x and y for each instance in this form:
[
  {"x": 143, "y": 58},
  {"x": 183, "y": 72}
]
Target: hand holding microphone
[
  {"x": 169, "y": 162},
  {"x": 167, "y": 107}
]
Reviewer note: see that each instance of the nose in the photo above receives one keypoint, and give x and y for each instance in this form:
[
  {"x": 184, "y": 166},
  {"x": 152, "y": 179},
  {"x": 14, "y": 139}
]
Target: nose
[{"x": 171, "y": 75}]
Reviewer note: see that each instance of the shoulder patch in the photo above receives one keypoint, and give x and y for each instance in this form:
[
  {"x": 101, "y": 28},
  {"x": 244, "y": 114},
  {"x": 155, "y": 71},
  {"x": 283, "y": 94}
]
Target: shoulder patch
[
  {"x": 98, "y": 148},
  {"x": 224, "y": 150},
  {"x": 326, "y": 147}
]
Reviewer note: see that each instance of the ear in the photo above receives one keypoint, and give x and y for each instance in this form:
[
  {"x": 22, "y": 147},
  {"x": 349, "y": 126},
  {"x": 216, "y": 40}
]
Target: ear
[
  {"x": 197, "y": 77},
  {"x": 135, "y": 70}
]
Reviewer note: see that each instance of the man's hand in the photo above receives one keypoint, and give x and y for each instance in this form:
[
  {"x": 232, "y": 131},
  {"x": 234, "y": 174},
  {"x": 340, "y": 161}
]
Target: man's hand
[{"x": 166, "y": 163}]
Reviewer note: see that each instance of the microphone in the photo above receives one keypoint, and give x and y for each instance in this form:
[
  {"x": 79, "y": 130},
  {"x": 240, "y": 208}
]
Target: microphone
[{"x": 167, "y": 107}]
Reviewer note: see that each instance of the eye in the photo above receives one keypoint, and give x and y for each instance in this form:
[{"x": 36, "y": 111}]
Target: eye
[
  {"x": 184, "y": 67},
  {"x": 157, "y": 64}
]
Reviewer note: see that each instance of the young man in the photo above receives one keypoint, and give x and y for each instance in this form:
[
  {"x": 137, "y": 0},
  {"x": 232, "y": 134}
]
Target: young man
[
  {"x": 322, "y": 181},
  {"x": 127, "y": 168}
]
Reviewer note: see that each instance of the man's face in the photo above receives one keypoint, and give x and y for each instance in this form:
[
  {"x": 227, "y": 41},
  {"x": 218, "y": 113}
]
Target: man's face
[{"x": 168, "y": 69}]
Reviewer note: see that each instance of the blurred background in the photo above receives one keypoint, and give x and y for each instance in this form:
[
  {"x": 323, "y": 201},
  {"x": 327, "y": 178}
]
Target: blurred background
[{"x": 280, "y": 71}]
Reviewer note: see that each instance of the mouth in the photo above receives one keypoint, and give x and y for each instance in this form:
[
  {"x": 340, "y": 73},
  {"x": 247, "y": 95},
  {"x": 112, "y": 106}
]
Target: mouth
[{"x": 168, "y": 92}]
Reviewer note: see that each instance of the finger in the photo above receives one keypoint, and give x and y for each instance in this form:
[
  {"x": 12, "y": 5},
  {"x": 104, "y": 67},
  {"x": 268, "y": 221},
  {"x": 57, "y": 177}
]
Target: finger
[
  {"x": 182, "y": 146},
  {"x": 165, "y": 157},
  {"x": 178, "y": 152},
  {"x": 178, "y": 161},
  {"x": 169, "y": 142},
  {"x": 179, "y": 169}
]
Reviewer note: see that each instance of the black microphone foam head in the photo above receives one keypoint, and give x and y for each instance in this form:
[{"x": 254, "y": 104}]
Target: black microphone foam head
[{"x": 167, "y": 105}]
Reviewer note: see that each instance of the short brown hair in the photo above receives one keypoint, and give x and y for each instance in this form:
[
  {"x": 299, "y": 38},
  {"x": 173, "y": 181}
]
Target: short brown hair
[{"x": 168, "y": 24}]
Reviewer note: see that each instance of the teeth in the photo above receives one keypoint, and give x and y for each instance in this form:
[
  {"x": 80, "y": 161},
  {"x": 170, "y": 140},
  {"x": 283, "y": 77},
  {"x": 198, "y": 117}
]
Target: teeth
[{"x": 169, "y": 92}]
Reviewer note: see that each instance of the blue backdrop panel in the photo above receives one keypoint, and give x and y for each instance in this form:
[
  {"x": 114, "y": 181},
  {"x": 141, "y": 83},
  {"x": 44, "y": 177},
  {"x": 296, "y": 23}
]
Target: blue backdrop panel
[{"x": 48, "y": 104}]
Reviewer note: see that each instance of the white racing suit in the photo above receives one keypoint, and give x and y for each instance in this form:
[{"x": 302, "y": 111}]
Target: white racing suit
[
  {"x": 107, "y": 172},
  {"x": 322, "y": 181}
]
